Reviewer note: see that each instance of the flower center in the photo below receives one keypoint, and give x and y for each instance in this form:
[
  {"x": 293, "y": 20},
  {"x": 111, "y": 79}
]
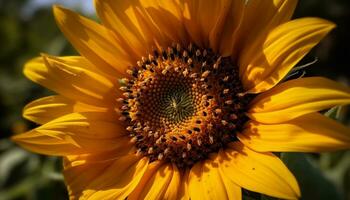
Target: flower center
[{"x": 182, "y": 104}]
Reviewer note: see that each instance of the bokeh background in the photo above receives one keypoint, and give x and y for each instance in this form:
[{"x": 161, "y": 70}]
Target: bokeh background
[{"x": 27, "y": 28}]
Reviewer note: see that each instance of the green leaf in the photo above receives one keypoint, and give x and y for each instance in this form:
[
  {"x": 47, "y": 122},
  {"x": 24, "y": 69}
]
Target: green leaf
[
  {"x": 9, "y": 160},
  {"x": 312, "y": 183},
  {"x": 334, "y": 113}
]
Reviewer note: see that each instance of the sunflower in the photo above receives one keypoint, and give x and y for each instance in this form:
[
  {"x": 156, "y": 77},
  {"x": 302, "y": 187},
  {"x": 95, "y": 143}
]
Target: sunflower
[{"x": 182, "y": 99}]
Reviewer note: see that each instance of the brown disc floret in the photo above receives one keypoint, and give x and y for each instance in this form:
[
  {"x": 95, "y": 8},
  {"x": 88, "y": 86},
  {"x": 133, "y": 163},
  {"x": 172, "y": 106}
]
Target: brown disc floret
[{"x": 181, "y": 104}]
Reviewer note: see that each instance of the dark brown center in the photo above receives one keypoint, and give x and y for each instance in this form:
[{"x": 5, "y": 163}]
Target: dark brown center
[{"x": 182, "y": 104}]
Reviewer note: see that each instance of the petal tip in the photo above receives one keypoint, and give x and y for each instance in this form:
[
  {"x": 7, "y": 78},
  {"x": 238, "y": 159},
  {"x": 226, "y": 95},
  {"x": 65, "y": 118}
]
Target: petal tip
[
  {"x": 60, "y": 13},
  {"x": 30, "y": 65},
  {"x": 57, "y": 9},
  {"x": 329, "y": 25},
  {"x": 18, "y": 138}
]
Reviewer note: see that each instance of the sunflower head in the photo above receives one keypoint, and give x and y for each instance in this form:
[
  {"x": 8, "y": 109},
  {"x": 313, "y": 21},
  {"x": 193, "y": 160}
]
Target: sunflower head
[{"x": 183, "y": 100}]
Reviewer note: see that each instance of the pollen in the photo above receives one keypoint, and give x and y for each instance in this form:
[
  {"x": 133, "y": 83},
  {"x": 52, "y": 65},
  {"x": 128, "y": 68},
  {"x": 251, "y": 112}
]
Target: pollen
[{"x": 183, "y": 103}]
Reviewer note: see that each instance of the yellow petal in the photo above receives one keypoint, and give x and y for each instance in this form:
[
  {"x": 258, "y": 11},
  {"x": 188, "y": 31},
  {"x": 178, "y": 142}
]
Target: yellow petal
[
  {"x": 133, "y": 26},
  {"x": 93, "y": 41},
  {"x": 191, "y": 21},
  {"x": 232, "y": 189},
  {"x": 172, "y": 191},
  {"x": 297, "y": 97},
  {"x": 77, "y": 178},
  {"x": 76, "y": 133},
  {"x": 160, "y": 181},
  {"x": 112, "y": 179},
  {"x": 183, "y": 189},
  {"x": 283, "y": 48},
  {"x": 82, "y": 62},
  {"x": 162, "y": 185},
  {"x": 259, "y": 172},
  {"x": 72, "y": 81},
  {"x": 213, "y": 21},
  {"x": 149, "y": 173},
  {"x": 255, "y": 26},
  {"x": 48, "y": 108},
  {"x": 94, "y": 157},
  {"x": 205, "y": 182},
  {"x": 116, "y": 18},
  {"x": 233, "y": 22},
  {"x": 204, "y": 20},
  {"x": 309, "y": 133},
  {"x": 167, "y": 16}
]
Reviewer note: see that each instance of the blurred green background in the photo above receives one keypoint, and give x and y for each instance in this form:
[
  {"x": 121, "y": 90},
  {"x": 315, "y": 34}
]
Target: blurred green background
[{"x": 27, "y": 28}]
